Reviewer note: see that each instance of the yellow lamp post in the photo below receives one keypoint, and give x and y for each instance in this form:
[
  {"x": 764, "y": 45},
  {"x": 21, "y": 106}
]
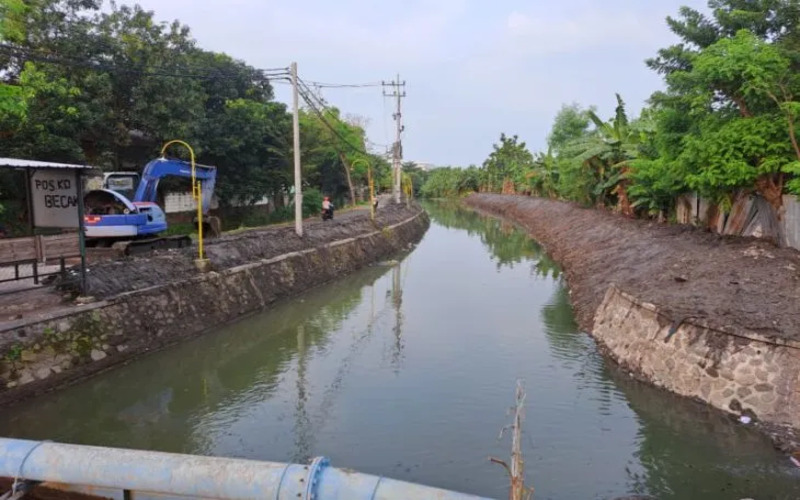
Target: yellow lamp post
[
  {"x": 197, "y": 195},
  {"x": 371, "y": 186}
]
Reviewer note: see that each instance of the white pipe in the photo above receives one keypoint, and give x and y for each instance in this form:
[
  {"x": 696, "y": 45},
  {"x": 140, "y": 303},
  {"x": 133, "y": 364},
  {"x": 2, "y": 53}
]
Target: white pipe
[{"x": 170, "y": 475}]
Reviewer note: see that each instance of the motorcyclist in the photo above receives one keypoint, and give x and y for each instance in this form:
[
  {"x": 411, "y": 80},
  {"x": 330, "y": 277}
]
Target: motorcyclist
[{"x": 327, "y": 208}]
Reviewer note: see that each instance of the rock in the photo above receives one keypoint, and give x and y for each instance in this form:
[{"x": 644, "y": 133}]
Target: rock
[
  {"x": 28, "y": 355},
  {"x": 681, "y": 279},
  {"x": 122, "y": 348},
  {"x": 11, "y": 385},
  {"x": 84, "y": 300},
  {"x": 43, "y": 373},
  {"x": 57, "y": 369},
  {"x": 97, "y": 355},
  {"x": 25, "y": 377}
]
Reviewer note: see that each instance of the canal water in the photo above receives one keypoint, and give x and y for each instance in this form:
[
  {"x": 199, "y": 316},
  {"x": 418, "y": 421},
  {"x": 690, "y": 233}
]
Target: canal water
[{"x": 409, "y": 371}]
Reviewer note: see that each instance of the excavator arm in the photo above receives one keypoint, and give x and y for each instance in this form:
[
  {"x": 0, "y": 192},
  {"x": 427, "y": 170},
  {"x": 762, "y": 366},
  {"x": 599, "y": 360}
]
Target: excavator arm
[{"x": 165, "y": 167}]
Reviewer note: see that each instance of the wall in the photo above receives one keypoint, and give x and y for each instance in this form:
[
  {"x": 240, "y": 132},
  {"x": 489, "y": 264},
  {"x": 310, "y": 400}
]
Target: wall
[
  {"x": 749, "y": 216},
  {"x": 65, "y": 347},
  {"x": 791, "y": 221},
  {"x": 739, "y": 372}
]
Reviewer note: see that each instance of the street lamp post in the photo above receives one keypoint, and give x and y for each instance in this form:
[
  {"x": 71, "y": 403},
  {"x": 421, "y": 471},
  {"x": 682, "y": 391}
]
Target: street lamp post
[{"x": 197, "y": 193}]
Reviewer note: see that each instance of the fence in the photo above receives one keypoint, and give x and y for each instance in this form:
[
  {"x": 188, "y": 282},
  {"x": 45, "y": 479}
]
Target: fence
[
  {"x": 27, "y": 260},
  {"x": 749, "y": 215}
]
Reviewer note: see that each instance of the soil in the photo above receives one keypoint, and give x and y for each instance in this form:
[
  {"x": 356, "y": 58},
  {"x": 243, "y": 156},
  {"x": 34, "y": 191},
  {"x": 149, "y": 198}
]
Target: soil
[
  {"x": 108, "y": 278},
  {"x": 731, "y": 283}
]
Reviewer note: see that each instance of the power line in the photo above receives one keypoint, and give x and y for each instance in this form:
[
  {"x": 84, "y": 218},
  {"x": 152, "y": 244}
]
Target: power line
[
  {"x": 309, "y": 97},
  {"x": 343, "y": 85},
  {"x": 210, "y": 74}
]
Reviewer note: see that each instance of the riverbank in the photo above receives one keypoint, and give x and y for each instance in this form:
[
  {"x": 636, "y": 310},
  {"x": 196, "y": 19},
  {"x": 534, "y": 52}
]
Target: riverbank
[
  {"x": 143, "y": 304},
  {"x": 706, "y": 316}
]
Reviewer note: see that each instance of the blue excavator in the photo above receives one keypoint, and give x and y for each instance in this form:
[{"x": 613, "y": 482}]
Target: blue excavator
[{"x": 132, "y": 226}]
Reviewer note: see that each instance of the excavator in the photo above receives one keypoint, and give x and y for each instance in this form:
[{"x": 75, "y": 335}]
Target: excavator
[{"x": 132, "y": 226}]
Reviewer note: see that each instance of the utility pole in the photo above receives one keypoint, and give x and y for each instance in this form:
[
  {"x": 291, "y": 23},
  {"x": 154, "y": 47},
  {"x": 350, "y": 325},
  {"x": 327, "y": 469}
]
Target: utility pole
[
  {"x": 298, "y": 194},
  {"x": 397, "y": 149}
]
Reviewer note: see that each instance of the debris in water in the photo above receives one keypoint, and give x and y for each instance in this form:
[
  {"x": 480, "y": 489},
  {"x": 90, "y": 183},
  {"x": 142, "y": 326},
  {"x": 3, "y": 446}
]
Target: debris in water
[
  {"x": 516, "y": 470},
  {"x": 795, "y": 461},
  {"x": 745, "y": 419}
]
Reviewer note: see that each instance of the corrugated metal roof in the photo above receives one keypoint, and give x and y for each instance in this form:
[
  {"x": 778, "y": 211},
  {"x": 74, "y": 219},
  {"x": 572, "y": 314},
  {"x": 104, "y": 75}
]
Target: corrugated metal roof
[{"x": 19, "y": 163}]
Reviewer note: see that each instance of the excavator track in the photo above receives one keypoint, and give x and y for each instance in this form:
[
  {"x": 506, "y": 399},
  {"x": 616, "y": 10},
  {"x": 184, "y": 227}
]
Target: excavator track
[{"x": 139, "y": 247}]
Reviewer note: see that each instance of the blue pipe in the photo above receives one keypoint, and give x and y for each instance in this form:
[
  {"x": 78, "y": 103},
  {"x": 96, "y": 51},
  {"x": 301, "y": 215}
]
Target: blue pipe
[{"x": 169, "y": 475}]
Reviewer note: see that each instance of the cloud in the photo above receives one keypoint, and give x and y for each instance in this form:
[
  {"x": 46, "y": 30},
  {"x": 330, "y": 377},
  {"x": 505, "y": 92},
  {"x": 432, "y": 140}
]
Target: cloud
[
  {"x": 546, "y": 34},
  {"x": 518, "y": 23}
]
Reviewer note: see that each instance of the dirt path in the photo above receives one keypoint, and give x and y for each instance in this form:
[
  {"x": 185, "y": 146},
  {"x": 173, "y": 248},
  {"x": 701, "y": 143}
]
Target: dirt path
[{"x": 731, "y": 282}]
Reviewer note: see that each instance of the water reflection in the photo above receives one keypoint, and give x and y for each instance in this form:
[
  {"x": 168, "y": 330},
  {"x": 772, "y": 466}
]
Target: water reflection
[
  {"x": 213, "y": 375},
  {"x": 397, "y": 305},
  {"x": 507, "y": 244},
  {"x": 736, "y": 463}
]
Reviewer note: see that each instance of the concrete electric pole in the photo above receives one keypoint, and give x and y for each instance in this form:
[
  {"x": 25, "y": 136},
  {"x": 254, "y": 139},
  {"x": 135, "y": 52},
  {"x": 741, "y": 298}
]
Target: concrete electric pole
[
  {"x": 397, "y": 149},
  {"x": 298, "y": 194}
]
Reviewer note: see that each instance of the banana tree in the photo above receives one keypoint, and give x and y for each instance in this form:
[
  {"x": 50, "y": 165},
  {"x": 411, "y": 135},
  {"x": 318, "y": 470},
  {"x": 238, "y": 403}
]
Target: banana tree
[
  {"x": 543, "y": 179},
  {"x": 607, "y": 152}
]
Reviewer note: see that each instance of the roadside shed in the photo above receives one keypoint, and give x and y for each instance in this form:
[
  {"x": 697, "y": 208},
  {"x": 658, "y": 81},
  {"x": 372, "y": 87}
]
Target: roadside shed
[{"x": 54, "y": 198}]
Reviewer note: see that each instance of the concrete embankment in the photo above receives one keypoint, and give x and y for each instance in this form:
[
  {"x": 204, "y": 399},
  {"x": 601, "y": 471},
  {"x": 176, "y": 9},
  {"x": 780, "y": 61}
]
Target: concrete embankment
[
  {"x": 705, "y": 316},
  {"x": 146, "y": 303}
]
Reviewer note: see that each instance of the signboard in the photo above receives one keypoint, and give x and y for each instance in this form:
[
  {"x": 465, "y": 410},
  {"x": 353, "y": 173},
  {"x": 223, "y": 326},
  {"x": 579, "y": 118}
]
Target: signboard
[
  {"x": 55, "y": 198},
  {"x": 120, "y": 183}
]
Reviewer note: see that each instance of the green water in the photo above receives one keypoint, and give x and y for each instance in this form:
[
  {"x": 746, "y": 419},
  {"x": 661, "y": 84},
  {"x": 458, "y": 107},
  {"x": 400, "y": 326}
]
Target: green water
[{"x": 408, "y": 371}]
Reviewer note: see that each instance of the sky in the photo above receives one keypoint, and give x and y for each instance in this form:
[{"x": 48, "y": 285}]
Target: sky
[{"x": 473, "y": 68}]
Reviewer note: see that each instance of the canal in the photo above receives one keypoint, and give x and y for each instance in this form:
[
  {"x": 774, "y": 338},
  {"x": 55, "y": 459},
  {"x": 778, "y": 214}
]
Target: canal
[{"x": 408, "y": 370}]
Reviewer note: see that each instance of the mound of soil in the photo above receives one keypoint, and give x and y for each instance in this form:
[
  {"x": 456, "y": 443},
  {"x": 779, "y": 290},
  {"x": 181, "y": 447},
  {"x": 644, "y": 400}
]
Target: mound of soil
[{"x": 731, "y": 282}]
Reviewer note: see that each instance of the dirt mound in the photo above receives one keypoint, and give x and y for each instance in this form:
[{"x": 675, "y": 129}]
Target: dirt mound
[
  {"x": 731, "y": 282},
  {"x": 108, "y": 278}
]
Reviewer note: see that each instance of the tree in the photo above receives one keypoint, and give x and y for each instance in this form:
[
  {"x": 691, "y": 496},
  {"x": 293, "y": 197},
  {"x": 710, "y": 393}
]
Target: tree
[
  {"x": 758, "y": 80},
  {"x": 726, "y": 124},
  {"x": 110, "y": 86},
  {"x": 543, "y": 179},
  {"x": 451, "y": 182},
  {"x": 608, "y": 150},
  {"x": 508, "y": 165},
  {"x": 331, "y": 147},
  {"x": 571, "y": 124},
  {"x": 418, "y": 176},
  {"x": 593, "y": 163},
  {"x": 774, "y": 20}
]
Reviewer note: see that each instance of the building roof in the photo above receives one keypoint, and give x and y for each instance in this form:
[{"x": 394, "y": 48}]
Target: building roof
[{"x": 32, "y": 164}]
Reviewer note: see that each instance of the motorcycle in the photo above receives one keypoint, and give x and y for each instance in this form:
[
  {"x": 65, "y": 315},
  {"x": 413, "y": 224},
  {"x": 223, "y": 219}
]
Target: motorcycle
[{"x": 327, "y": 214}]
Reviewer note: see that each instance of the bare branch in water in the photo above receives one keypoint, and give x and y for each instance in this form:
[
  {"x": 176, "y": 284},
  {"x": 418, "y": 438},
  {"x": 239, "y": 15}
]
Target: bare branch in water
[{"x": 517, "y": 469}]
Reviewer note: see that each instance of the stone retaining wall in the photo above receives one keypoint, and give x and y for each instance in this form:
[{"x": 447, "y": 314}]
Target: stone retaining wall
[
  {"x": 66, "y": 347},
  {"x": 738, "y": 372}
]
